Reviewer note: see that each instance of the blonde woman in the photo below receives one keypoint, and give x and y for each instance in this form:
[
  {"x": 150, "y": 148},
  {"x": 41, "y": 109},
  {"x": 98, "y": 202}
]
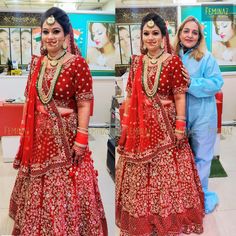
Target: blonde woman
[{"x": 205, "y": 81}]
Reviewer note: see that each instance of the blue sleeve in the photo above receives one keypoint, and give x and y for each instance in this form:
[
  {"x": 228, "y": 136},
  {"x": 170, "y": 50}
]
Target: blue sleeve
[{"x": 210, "y": 83}]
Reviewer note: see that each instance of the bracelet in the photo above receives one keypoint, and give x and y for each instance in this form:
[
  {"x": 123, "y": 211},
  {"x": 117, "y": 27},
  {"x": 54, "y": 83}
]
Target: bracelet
[
  {"x": 82, "y": 138},
  {"x": 81, "y": 128},
  {"x": 180, "y": 125},
  {"x": 80, "y": 145},
  {"x": 181, "y": 118},
  {"x": 179, "y": 131},
  {"x": 81, "y": 131},
  {"x": 125, "y": 114}
]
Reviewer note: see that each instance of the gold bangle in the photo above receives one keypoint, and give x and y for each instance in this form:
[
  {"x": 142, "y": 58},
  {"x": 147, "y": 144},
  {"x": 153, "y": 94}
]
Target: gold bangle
[
  {"x": 179, "y": 131},
  {"x": 79, "y": 144},
  {"x": 181, "y": 118},
  {"x": 82, "y": 130},
  {"x": 85, "y": 129}
]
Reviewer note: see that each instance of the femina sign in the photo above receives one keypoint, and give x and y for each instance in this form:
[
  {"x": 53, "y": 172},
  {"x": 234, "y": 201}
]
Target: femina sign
[{"x": 211, "y": 11}]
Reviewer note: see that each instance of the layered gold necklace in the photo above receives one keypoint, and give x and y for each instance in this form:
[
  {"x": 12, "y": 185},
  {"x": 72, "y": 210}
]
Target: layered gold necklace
[
  {"x": 55, "y": 60},
  {"x": 46, "y": 98},
  {"x": 150, "y": 92},
  {"x": 154, "y": 60}
]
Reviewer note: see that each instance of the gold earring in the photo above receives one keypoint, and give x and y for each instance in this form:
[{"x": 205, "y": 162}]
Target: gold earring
[
  {"x": 44, "y": 48},
  {"x": 162, "y": 45},
  {"x": 64, "y": 46}
]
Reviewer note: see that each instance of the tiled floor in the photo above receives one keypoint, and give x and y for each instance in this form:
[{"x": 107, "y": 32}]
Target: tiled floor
[{"x": 222, "y": 222}]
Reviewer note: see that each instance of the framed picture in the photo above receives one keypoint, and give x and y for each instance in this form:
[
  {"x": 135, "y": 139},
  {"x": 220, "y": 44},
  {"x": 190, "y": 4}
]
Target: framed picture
[
  {"x": 97, "y": 40},
  {"x": 135, "y": 38},
  {"x": 15, "y": 45},
  {"x": 101, "y": 51},
  {"x": 36, "y": 41},
  {"x": 4, "y": 45},
  {"x": 224, "y": 39},
  {"x": 124, "y": 38},
  {"x": 26, "y": 45}
]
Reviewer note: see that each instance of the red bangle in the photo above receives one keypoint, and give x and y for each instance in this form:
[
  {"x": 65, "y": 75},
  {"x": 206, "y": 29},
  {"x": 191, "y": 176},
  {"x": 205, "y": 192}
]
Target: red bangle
[
  {"x": 180, "y": 125},
  {"x": 81, "y": 138}
]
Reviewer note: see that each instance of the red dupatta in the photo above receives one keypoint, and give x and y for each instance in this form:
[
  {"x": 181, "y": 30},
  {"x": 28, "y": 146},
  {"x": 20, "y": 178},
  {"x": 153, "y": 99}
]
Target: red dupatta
[
  {"x": 24, "y": 154},
  {"x": 140, "y": 144}
]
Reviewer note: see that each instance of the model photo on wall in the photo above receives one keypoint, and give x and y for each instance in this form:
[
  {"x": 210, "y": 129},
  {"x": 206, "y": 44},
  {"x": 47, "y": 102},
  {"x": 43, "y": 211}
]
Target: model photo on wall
[{"x": 101, "y": 46}]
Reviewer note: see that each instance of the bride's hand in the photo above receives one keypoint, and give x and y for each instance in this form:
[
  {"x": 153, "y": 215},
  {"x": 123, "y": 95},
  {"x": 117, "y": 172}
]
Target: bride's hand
[{"x": 186, "y": 74}]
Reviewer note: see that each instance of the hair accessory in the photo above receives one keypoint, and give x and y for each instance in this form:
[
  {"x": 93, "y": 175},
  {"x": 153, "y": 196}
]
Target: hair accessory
[
  {"x": 150, "y": 24},
  {"x": 51, "y": 20}
]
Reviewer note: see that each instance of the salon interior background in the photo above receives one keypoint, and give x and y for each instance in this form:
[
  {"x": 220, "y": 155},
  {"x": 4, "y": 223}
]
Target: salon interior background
[{"x": 72, "y": 5}]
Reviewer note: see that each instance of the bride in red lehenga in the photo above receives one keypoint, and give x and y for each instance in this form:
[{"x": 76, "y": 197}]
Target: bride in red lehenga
[
  {"x": 56, "y": 191},
  {"x": 158, "y": 191}
]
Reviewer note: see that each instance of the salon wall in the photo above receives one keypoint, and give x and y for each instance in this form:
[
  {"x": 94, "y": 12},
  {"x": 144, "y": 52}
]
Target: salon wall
[
  {"x": 110, "y": 6},
  {"x": 229, "y": 98},
  {"x": 103, "y": 91}
]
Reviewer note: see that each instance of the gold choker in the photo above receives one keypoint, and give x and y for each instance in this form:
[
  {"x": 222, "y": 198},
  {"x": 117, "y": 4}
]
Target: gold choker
[
  {"x": 154, "y": 60},
  {"x": 54, "y": 61}
]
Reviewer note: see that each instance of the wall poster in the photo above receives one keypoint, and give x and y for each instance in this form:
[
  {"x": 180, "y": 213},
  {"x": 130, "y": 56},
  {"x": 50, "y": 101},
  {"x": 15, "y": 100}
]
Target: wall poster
[{"x": 96, "y": 39}]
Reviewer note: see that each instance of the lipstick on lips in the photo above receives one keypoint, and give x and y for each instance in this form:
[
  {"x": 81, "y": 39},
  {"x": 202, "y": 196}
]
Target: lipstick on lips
[
  {"x": 222, "y": 35},
  {"x": 52, "y": 43},
  {"x": 97, "y": 42}
]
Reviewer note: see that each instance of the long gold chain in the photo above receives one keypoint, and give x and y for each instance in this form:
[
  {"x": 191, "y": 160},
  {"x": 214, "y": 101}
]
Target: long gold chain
[
  {"x": 46, "y": 98},
  {"x": 150, "y": 92}
]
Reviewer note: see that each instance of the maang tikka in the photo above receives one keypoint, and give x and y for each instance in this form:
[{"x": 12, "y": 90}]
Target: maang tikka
[
  {"x": 150, "y": 24},
  {"x": 50, "y": 20}
]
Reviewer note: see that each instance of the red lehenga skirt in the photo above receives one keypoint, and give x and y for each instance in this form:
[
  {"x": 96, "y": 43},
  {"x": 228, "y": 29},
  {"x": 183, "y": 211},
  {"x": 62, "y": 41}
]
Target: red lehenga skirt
[
  {"x": 57, "y": 204},
  {"x": 46, "y": 199},
  {"x": 162, "y": 196}
]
